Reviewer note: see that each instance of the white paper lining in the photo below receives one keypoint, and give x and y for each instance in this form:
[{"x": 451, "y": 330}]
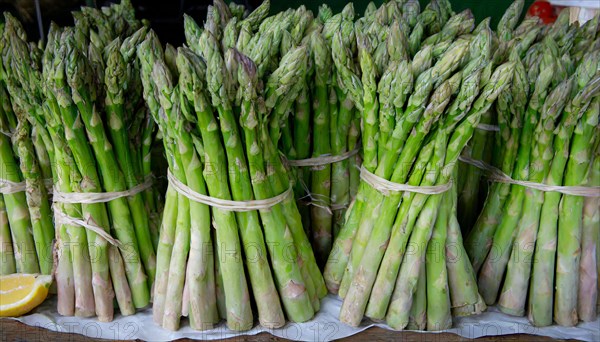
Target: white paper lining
[{"x": 324, "y": 327}]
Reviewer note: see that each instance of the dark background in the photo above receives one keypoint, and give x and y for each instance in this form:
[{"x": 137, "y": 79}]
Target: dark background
[{"x": 167, "y": 16}]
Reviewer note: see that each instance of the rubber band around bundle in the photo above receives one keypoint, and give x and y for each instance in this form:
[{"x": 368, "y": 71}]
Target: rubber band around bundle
[
  {"x": 98, "y": 197},
  {"x": 496, "y": 175},
  {"x": 61, "y": 218},
  {"x": 325, "y": 159},
  {"x": 488, "y": 128},
  {"x": 320, "y": 161},
  {"x": 9, "y": 187},
  {"x": 229, "y": 205},
  {"x": 316, "y": 200},
  {"x": 91, "y": 198},
  {"x": 384, "y": 186}
]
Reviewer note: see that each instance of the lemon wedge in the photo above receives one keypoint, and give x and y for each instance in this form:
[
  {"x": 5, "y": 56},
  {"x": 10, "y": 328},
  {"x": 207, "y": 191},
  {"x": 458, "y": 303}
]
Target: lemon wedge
[{"x": 21, "y": 293}]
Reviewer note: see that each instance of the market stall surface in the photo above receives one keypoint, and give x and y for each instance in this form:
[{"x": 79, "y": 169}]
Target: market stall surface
[
  {"x": 44, "y": 324},
  {"x": 17, "y": 331}
]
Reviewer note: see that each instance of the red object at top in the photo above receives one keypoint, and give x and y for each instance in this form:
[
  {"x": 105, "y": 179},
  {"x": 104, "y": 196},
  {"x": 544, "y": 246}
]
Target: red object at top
[{"x": 543, "y": 10}]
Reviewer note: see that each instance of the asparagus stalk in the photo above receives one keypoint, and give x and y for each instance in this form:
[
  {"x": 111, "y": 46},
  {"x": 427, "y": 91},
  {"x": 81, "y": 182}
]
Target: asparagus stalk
[
  {"x": 588, "y": 267},
  {"x": 75, "y": 242},
  {"x": 37, "y": 197},
  {"x": 464, "y": 295},
  {"x": 302, "y": 143},
  {"x": 219, "y": 287},
  {"x": 115, "y": 74},
  {"x": 570, "y": 219},
  {"x": 163, "y": 253},
  {"x": 369, "y": 105},
  {"x": 321, "y": 223},
  {"x": 16, "y": 203},
  {"x": 354, "y": 162},
  {"x": 417, "y": 319},
  {"x": 42, "y": 155},
  {"x": 148, "y": 52},
  {"x": 345, "y": 174},
  {"x": 119, "y": 281},
  {"x": 438, "y": 298},
  {"x": 468, "y": 199},
  {"x": 396, "y": 44},
  {"x": 541, "y": 296},
  {"x": 203, "y": 311},
  {"x": 340, "y": 185},
  {"x": 514, "y": 292},
  {"x": 176, "y": 237},
  {"x": 7, "y": 265},
  {"x": 509, "y": 20},
  {"x": 289, "y": 279},
  {"x": 181, "y": 244},
  {"x": 340, "y": 251}
]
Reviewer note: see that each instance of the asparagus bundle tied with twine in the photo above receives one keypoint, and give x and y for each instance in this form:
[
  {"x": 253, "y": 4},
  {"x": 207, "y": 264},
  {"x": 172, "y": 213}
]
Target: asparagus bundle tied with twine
[{"x": 232, "y": 237}]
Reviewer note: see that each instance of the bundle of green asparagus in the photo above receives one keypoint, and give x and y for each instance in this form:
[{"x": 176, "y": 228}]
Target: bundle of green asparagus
[
  {"x": 426, "y": 99},
  {"x": 533, "y": 246},
  {"x": 214, "y": 112},
  {"x": 247, "y": 88},
  {"x": 25, "y": 215},
  {"x": 319, "y": 138},
  {"x": 73, "y": 95}
]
